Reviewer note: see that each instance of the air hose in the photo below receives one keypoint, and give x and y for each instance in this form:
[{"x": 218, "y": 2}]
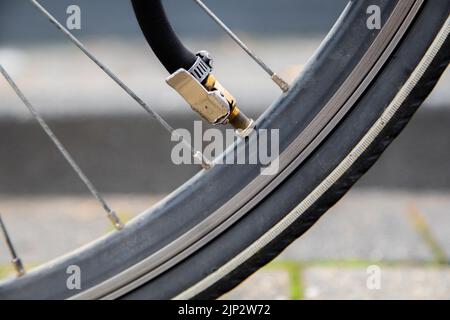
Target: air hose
[
  {"x": 161, "y": 37},
  {"x": 190, "y": 73}
]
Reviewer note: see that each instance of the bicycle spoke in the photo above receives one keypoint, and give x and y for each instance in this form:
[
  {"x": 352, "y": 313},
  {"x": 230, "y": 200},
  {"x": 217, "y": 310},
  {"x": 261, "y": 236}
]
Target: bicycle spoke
[
  {"x": 15, "y": 260},
  {"x": 276, "y": 78},
  {"x": 110, "y": 213},
  {"x": 206, "y": 164}
]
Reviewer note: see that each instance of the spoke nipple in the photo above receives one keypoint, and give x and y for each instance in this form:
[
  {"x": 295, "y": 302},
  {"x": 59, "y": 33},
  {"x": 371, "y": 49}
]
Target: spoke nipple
[
  {"x": 206, "y": 164},
  {"x": 280, "y": 82},
  {"x": 115, "y": 220},
  {"x": 18, "y": 266}
]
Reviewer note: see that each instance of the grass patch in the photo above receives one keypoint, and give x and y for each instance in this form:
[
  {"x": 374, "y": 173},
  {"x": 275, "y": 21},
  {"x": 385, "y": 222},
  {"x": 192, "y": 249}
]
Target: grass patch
[
  {"x": 294, "y": 271},
  {"x": 420, "y": 224},
  {"x": 5, "y": 271},
  {"x": 357, "y": 263},
  {"x": 347, "y": 263}
]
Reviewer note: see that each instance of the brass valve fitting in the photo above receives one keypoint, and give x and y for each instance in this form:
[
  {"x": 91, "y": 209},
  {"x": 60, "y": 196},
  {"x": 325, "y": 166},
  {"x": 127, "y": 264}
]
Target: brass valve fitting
[{"x": 208, "y": 97}]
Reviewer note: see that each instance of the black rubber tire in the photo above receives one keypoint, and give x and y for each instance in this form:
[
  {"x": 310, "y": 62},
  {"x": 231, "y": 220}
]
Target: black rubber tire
[
  {"x": 209, "y": 190},
  {"x": 325, "y": 159},
  {"x": 341, "y": 187}
]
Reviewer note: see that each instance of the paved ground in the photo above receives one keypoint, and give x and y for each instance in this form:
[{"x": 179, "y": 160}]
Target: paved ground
[{"x": 403, "y": 235}]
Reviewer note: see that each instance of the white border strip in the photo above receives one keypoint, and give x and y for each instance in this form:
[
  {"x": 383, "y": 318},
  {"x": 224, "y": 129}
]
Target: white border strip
[{"x": 345, "y": 165}]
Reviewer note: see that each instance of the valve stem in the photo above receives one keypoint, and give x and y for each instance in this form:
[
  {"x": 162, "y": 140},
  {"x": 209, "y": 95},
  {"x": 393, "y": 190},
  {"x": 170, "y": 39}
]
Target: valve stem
[
  {"x": 236, "y": 117},
  {"x": 206, "y": 96}
]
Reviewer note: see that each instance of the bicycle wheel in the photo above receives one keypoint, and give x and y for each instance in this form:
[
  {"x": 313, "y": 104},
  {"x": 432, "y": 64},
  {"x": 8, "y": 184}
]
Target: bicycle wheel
[{"x": 355, "y": 96}]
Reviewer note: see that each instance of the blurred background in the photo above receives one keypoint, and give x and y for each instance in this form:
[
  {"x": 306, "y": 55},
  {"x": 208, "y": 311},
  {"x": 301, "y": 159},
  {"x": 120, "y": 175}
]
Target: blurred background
[{"x": 397, "y": 217}]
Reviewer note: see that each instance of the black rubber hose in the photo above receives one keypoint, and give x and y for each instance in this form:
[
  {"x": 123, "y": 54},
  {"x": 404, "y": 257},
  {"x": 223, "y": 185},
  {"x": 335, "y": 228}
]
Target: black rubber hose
[{"x": 161, "y": 36}]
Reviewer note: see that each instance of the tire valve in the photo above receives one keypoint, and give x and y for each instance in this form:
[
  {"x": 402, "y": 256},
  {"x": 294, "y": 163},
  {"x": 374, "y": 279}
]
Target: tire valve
[{"x": 206, "y": 96}]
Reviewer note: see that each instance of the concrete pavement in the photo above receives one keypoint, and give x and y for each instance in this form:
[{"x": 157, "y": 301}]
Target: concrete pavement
[{"x": 404, "y": 234}]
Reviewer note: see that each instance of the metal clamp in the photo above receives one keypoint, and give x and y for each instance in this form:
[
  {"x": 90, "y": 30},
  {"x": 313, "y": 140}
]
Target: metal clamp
[
  {"x": 202, "y": 66},
  {"x": 207, "y": 96}
]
